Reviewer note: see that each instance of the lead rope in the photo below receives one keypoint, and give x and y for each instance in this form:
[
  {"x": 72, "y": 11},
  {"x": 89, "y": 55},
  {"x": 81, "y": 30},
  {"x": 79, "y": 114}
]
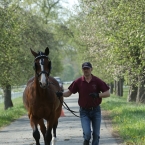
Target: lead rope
[
  {"x": 67, "y": 108},
  {"x": 65, "y": 105}
]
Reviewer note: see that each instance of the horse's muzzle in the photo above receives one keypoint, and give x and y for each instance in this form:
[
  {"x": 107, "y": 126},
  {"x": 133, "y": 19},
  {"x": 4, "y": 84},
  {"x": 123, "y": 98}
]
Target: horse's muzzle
[{"x": 44, "y": 85}]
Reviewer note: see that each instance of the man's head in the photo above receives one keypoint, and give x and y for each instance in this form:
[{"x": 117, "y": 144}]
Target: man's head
[
  {"x": 87, "y": 68},
  {"x": 86, "y": 65}
]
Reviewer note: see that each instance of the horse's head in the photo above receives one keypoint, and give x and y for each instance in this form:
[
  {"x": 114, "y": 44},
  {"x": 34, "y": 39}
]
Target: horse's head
[{"x": 42, "y": 67}]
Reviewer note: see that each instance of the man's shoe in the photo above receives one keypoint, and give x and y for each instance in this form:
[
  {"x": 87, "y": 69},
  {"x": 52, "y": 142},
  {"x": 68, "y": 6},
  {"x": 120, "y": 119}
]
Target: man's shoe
[{"x": 86, "y": 142}]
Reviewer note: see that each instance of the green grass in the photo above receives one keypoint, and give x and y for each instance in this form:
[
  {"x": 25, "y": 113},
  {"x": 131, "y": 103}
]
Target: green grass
[
  {"x": 11, "y": 114},
  {"x": 128, "y": 119}
]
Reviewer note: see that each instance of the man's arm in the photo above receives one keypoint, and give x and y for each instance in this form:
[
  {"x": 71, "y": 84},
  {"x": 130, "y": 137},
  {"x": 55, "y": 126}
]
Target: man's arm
[
  {"x": 104, "y": 94},
  {"x": 67, "y": 93}
]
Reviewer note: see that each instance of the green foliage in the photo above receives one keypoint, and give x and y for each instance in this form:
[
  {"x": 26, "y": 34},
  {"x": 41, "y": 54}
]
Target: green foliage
[
  {"x": 9, "y": 42},
  {"x": 68, "y": 73},
  {"x": 21, "y": 30},
  {"x": 113, "y": 36}
]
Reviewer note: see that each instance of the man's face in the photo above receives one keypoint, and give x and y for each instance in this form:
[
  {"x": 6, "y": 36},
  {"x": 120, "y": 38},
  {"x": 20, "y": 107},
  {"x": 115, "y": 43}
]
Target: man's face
[{"x": 87, "y": 71}]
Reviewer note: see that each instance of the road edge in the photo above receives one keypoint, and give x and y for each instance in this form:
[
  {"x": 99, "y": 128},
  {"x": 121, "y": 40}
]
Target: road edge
[{"x": 109, "y": 125}]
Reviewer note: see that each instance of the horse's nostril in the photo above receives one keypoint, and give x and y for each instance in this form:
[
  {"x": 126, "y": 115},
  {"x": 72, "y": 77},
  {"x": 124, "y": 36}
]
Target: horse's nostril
[{"x": 40, "y": 83}]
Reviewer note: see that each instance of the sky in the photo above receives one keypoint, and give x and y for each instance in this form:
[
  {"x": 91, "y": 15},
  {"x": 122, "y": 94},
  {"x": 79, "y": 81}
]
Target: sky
[{"x": 69, "y": 4}]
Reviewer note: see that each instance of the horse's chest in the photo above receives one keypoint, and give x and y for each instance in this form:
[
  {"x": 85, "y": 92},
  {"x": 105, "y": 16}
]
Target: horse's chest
[
  {"x": 42, "y": 100},
  {"x": 42, "y": 110},
  {"x": 42, "y": 105}
]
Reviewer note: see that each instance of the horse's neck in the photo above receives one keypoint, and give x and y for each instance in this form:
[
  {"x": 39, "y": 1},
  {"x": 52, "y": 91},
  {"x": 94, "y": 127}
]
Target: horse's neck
[{"x": 36, "y": 84}]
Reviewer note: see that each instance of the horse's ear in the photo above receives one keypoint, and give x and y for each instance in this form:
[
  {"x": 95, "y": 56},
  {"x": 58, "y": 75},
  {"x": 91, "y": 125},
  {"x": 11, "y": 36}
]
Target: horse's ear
[
  {"x": 47, "y": 51},
  {"x": 34, "y": 53}
]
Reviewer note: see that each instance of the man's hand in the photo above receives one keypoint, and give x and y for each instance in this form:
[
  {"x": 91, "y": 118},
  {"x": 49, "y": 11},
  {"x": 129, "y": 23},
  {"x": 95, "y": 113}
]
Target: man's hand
[
  {"x": 94, "y": 95},
  {"x": 59, "y": 94}
]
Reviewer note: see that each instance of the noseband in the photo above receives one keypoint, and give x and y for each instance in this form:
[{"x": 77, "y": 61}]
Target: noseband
[{"x": 42, "y": 62}]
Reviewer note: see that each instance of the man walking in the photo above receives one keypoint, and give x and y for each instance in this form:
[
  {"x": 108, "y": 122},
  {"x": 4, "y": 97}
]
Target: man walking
[{"x": 91, "y": 90}]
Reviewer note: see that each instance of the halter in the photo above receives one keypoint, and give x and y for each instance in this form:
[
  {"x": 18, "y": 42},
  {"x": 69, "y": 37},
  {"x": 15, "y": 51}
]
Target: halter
[
  {"x": 40, "y": 56},
  {"x": 42, "y": 72}
]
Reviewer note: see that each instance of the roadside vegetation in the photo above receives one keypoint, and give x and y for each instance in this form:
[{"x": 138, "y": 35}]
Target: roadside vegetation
[
  {"x": 13, "y": 113},
  {"x": 127, "y": 118}
]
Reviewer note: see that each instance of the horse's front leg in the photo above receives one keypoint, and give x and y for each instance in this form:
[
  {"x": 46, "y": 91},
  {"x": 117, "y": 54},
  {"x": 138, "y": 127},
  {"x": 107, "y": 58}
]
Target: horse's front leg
[
  {"x": 54, "y": 133},
  {"x": 42, "y": 128},
  {"x": 36, "y": 133},
  {"x": 48, "y": 135}
]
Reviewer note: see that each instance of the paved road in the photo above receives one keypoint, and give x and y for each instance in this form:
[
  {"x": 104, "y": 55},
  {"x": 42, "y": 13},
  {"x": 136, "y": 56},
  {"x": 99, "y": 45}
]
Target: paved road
[{"x": 69, "y": 130}]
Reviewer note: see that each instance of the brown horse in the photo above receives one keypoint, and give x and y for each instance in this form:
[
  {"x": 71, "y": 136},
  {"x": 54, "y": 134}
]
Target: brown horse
[{"x": 40, "y": 99}]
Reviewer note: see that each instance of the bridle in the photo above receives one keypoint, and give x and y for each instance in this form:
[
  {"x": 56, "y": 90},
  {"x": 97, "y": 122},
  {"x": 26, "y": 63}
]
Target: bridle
[{"x": 42, "y": 62}]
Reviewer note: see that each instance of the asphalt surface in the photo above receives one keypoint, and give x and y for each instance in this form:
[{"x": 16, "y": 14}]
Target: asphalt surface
[{"x": 69, "y": 130}]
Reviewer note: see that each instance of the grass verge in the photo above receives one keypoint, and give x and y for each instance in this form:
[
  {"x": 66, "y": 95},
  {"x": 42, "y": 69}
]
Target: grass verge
[
  {"x": 127, "y": 119},
  {"x": 11, "y": 114}
]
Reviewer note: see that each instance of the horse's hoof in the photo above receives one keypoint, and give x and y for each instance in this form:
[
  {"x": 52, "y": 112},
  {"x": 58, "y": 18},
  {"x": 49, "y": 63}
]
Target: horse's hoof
[{"x": 54, "y": 141}]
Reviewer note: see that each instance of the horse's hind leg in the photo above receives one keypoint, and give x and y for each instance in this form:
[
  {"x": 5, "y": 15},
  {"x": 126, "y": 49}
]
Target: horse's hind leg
[
  {"x": 36, "y": 133},
  {"x": 54, "y": 133}
]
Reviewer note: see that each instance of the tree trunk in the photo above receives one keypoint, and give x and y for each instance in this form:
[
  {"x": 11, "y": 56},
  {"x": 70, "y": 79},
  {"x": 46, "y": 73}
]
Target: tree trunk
[
  {"x": 141, "y": 90},
  {"x": 119, "y": 87},
  {"x": 115, "y": 82},
  {"x": 111, "y": 87},
  {"x": 121, "y": 82},
  {"x": 140, "y": 95},
  {"x": 132, "y": 94},
  {"x": 7, "y": 97}
]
